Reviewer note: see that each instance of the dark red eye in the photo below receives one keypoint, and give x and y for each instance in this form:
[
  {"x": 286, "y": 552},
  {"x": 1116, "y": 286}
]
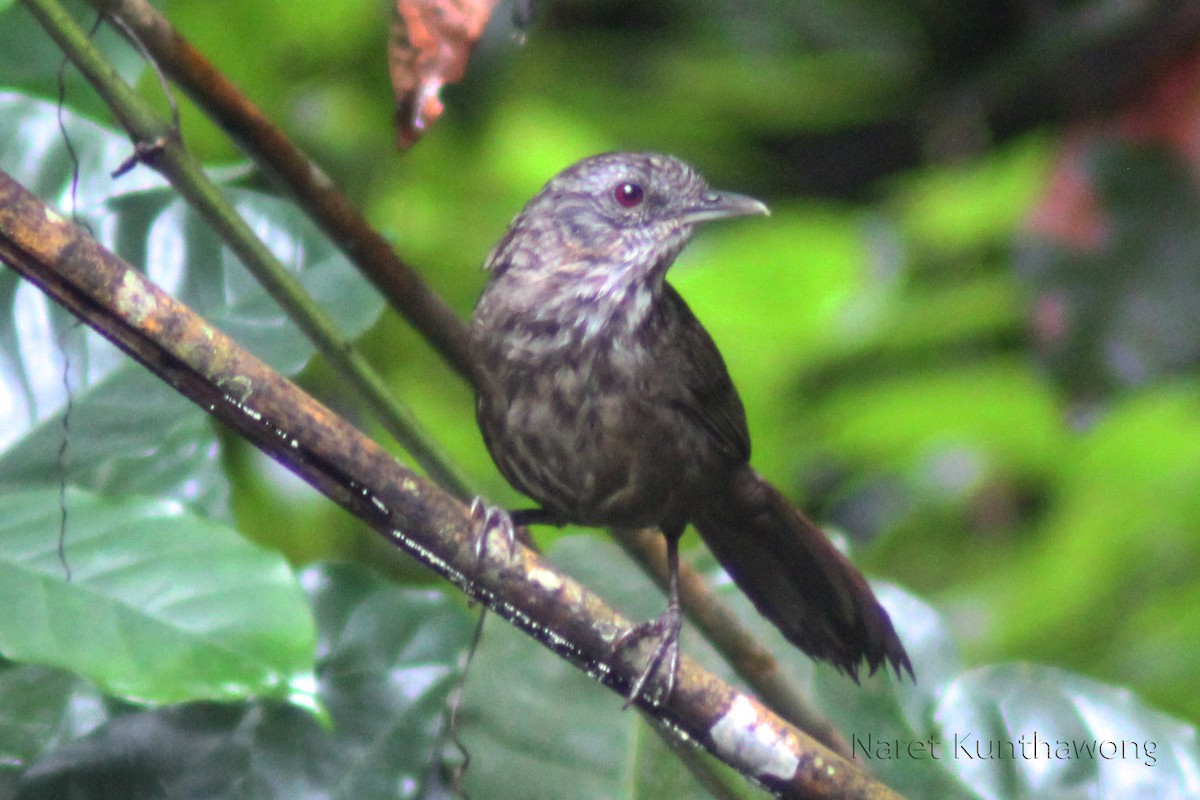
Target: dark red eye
[{"x": 629, "y": 194}]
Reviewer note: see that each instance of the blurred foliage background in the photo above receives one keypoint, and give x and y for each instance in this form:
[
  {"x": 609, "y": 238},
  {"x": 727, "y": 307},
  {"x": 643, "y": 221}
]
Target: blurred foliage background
[{"x": 967, "y": 336}]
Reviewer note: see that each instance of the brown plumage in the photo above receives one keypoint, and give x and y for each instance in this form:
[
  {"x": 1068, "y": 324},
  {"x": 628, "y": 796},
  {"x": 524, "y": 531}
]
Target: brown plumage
[{"x": 602, "y": 397}]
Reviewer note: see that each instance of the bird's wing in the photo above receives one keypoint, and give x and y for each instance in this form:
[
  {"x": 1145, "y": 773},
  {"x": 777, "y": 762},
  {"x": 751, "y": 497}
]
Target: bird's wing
[{"x": 704, "y": 392}]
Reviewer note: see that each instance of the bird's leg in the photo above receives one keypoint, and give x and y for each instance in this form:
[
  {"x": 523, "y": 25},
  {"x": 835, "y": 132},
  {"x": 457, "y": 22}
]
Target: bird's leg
[
  {"x": 487, "y": 518},
  {"x": 665, "y": 628}
]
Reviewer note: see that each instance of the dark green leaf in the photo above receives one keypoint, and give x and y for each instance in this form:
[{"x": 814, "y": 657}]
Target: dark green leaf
[
  {"x": 129, "y": 433},
  {"x": 43, "y": 708},
  {"x": 1022, "y": 731},
  {"x": 159, "y": 606},
  {"x": 387, "y": 659}
]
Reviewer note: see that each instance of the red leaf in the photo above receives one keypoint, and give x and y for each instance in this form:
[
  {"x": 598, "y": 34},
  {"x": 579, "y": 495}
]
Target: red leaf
[
  {"x": 1069, "y": 211},
  {"x": 428, "y": 46},
  {"x": 1166, "y": 111}
]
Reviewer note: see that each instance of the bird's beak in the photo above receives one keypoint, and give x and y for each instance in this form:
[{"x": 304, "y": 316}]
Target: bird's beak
[{"x": 723, "y": 205}]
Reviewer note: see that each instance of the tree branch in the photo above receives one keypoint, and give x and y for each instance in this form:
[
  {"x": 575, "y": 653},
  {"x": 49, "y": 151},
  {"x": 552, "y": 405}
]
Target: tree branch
[{"x": 410, "y": 511}]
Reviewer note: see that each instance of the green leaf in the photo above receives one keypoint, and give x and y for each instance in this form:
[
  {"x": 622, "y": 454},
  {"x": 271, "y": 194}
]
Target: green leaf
[
  {"x": 1093, "y": 740},
  {"x": 523, "y": 726},
  {"x": 957, "y": 207},
  {"x": 388, "y": 658},
  {"x": 32, "y": 62},
  {"x": 126, "y": 433},
  {"x": 994, "y": 405},
  {"x": 159, "y": 606},
  {"x": 43, "y": 707},
  {"x": 166, "y": 448},
  {"x": 1023, "y": 731},
  {"x": 138, "y": 217}
]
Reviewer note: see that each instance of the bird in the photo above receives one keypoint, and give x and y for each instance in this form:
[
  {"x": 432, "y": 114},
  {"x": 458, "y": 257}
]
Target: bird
[{"x": 601, "y": 397}]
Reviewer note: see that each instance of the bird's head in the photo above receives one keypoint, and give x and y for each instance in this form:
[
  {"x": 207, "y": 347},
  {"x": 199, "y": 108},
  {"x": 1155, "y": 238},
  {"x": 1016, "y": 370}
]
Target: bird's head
[{"x": 624, "y": 214}]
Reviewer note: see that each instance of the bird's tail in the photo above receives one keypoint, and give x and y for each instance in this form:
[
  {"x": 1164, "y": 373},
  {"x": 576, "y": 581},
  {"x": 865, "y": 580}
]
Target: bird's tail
[{"x": 797, "y": 579}]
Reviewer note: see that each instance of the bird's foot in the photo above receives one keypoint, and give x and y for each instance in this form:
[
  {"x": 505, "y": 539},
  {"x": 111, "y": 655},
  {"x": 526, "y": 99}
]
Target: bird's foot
[
  {"x": 664, "y": 660},
  {"x": 488, "y": 519}
]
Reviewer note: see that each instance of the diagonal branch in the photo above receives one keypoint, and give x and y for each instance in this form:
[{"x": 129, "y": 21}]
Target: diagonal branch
[{"x": 410, "y": 511}]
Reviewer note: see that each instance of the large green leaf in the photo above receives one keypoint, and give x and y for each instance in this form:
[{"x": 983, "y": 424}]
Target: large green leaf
[
  {"x": 961, "y": 732},
  {"x": 128, "y": 432},
  {"x": 158, "y": 605},
  {"x": 387, "y": 658},
  {"x": 1023, "y": 731},
  {"x": 148, "y": 226}
]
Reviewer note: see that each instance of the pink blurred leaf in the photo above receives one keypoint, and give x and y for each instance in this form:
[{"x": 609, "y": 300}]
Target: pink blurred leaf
[{"x": 428, "y": 47}]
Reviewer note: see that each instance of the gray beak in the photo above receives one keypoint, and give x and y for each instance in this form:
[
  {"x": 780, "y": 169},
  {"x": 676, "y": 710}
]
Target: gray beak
[{"x": 723, "y": 205}]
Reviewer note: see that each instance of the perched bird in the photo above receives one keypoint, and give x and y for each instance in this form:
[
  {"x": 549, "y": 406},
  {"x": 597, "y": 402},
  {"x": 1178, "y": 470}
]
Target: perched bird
[{"x": 601, "y": 397}]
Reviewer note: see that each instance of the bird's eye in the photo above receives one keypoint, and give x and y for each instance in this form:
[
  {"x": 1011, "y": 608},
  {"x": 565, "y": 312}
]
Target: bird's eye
[{"x": 630, "y": 195}]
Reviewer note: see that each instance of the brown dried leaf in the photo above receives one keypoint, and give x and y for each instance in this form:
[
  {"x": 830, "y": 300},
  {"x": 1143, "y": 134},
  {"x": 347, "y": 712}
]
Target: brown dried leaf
[{"x": 428, "y": 46}]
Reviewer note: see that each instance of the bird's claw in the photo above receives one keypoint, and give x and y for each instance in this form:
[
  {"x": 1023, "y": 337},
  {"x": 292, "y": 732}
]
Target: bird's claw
[
  {"x": 488, "y": 518},
  {"x": 665, "y": 655}
]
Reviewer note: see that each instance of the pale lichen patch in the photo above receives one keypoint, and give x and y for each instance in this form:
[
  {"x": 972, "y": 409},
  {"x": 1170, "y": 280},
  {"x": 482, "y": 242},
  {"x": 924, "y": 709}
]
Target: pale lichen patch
[
  {"x": 133, "y": 301},
  {"x": 545, "y": 578},
  {"x": 746, "y": 737}
]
